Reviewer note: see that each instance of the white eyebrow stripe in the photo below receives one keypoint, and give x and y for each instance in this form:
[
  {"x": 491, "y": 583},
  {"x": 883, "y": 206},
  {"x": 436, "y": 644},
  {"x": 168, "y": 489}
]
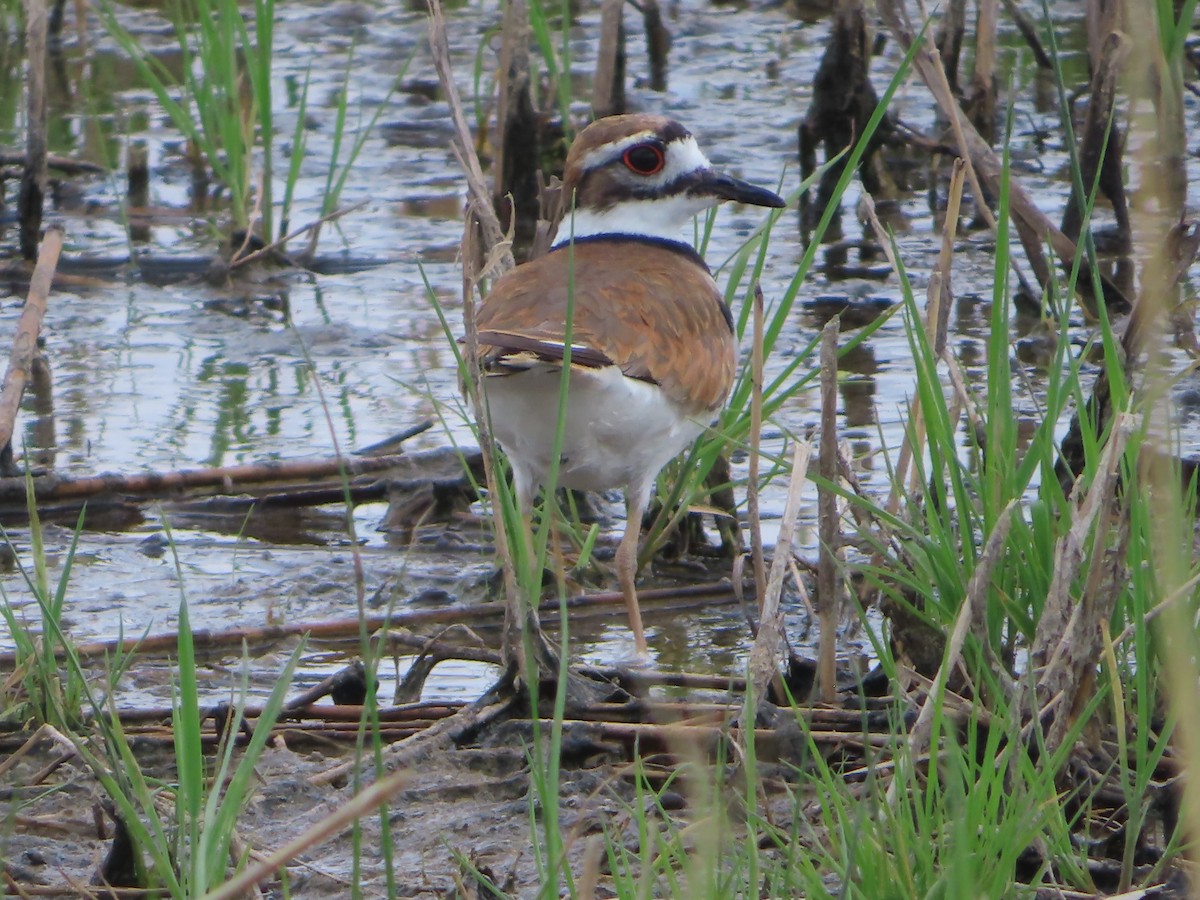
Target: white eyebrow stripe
[
  {"x": 683, "y": 156},
  {"x": 606, "y": 153}
]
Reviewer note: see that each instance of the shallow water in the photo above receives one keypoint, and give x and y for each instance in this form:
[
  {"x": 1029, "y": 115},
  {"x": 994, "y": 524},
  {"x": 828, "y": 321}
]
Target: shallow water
[{"x": 161, "y": 376}]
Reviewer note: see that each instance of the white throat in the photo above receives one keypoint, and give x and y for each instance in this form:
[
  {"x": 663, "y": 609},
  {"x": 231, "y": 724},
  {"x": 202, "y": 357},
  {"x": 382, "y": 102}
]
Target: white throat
[{"x": 663, "y": 218}]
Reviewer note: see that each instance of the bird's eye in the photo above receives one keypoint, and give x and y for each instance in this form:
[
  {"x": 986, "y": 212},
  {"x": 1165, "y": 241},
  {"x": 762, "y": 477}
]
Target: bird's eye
[{"x": 644, "y": 159}]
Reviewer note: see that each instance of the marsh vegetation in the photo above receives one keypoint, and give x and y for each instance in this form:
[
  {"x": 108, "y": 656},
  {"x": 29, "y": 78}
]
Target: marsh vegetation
[{"x": 958, "y": 656}]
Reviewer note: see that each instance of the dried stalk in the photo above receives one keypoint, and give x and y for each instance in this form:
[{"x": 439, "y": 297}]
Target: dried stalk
[
  {"x": 45, "y": 732},
  {"x": 518, "y": 151},
  {"x": 33, "y": 181},
  {"x": 608, "y": 84},
  {"x": 753, "y": 520},
  {"x": 1068, "y": 641},
  {"x": 658, "y": 43},
  {"x": 359, "y": 805},
  {"x": 937, "y": 320},
  {"x": 828, "y": 589},
  {"x": 983, "y": 80},
  {"x": 985, "y": 169},
  {"x": 769, "y": 744},
  {"x": 971, "y": 609},
  {"x": 1028, "y": 30},
  {"x": 914, "y": 438},
  {"x": 482, "y": 223},
  {"x": 275, "y": 246},
  {"x": 767, "y": 652},
  {"x": 24, "y": 347},
  {"x": 462, "y": 144}
]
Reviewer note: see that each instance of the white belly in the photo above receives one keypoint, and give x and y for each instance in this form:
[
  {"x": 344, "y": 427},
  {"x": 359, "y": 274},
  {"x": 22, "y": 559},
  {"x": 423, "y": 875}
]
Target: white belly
[{"x": 619, "y": 431}]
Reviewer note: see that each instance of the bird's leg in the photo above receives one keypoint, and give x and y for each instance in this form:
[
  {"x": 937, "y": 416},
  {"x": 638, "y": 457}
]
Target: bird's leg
[{"x": 627, "y": 562}]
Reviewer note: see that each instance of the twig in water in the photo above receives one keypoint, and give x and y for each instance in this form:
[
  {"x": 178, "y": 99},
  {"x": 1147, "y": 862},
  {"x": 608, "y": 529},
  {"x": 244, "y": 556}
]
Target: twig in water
[
  {"x": 24, "y": 346},
  {"x": 275, "y": 245},
  {"x": 984, "y": 168},
  {"x": 228, "y": 479}
]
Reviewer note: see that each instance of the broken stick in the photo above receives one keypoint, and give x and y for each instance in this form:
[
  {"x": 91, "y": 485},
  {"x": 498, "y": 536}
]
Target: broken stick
[{"x": 24, "y": 348}]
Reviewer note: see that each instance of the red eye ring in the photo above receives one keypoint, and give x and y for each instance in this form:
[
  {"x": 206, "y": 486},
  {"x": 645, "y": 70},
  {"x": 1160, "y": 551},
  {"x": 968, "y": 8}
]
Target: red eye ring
[{"x": 644, "y": 159}]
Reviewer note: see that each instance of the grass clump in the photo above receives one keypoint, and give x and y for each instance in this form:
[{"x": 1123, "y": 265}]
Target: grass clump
[
  {"x": 181, "y": 829},
  {"x": 224, "y": 105}
]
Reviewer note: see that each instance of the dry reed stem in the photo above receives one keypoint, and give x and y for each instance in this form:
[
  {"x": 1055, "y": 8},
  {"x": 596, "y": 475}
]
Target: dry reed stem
[
  {"x": 512, "y": 645},
  {"x": 767, "y": 652},
  {"x": 769, "y": 744},
  {"x": 589, "y": 876},
  {"x": 497, "y": 251},
  {"x": 44, "y": 732},
  {"x": 828, "y": 590},
  {"x": 935, "y": 79},
  {"x": 462, "y": 144},
  {"x": 608, "y": 84},
  {"x": 357, "y": 806},
  {"x": 1157, "y": 114},
  {"x": 1033, "y": 226},
  {"x": 345, "y": 713},
  {"x": 33, "y": 181},
  {"x": 24, "y": 346},
  {"x": 939, "y": 324},
  {"x": 1066, "y": 644},
  {"x": 1176, "y": 596},
  {"x": 971, "y": 146},
  {"x": 1028, "y": 30},
  {"x": 658, "y": 43},
  {"x": 972, "y": 607},
  {"x": 753, "y": 520},
  {"x": 240, "y": 261},
  {"x": 914, "y": 437},
  {"x": 958, "y": 381},
  {"x": 983, "y": 80}
]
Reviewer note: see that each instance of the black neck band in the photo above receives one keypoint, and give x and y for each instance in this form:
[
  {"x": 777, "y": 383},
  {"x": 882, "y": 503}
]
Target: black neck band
[{"x": 679, "y": 247}]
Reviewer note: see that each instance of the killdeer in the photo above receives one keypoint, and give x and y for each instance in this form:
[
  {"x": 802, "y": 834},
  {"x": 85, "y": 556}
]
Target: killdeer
[{"x": 652, "y": 349}]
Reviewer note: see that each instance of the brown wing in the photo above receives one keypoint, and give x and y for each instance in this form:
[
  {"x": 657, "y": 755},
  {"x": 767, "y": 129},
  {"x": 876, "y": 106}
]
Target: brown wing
[{"x": 654, "y": 313}]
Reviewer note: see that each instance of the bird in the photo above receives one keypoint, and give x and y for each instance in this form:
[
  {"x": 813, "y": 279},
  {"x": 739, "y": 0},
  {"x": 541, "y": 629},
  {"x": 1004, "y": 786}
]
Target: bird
[{"x": 653, "y": 350}]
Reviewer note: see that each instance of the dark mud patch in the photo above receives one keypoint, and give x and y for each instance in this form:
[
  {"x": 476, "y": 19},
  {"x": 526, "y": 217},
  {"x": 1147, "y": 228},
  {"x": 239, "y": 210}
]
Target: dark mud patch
[
  {"x": 474, "y": 800},
  {"x": 477, "y": 801}
]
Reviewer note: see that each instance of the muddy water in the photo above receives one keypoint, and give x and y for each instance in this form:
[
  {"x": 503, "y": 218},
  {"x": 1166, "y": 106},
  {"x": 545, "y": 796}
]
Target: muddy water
[{"x": 154, "y": 375}]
